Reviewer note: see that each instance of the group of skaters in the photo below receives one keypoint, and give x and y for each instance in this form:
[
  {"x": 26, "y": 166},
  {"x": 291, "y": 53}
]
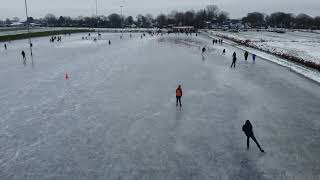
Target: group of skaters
[
  {"x": 217, "y": 41},
  {"x": 246, "y": 55},
  {"x": 55, "y": 38},
  {"x": 246, "y": 128}
]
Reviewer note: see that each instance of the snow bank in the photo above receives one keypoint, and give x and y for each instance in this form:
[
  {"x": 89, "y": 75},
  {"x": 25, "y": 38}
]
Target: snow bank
[
  {"x": 298, "y": 47},
  {"x": 304, "y": 71}
]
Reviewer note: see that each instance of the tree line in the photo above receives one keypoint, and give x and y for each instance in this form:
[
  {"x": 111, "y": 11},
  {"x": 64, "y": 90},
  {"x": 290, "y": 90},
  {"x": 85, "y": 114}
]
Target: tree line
[
  {"x": 282, "y": 20},
  {"x": 210, "y": 15},
  {"x": 198, "y": 19}
]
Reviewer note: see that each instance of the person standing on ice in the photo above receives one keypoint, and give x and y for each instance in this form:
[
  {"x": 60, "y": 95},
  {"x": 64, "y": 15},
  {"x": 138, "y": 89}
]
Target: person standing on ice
[
  {"x": 109, "y": 42},
  {"x": 253, "y": 58},
  {"x": 23, "y": 55},
  {"x": 224, "y": 52},
  {"x": 203, "y": 50},
  {"x": 178, "y": 95},
  {"x": 5, "y": 46},
  {"x": 234, "y": 60},
  {"x": 247, "y": 129},
  {"x": 246, "y": 54}
]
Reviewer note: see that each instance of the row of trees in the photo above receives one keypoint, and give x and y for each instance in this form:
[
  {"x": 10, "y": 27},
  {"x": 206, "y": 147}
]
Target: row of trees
[
  {"x": 199, "y": 19},
  {"x": 282, "y": 20}
]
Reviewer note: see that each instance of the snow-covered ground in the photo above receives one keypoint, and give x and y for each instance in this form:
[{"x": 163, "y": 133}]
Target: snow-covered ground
[
  {"x": 299, "y": 44},
  {"x": 115, "y": 117}
]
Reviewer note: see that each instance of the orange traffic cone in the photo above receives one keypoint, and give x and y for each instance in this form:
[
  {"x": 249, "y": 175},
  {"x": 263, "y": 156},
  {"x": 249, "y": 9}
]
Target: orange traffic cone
[{"x": 66, "y": 77}]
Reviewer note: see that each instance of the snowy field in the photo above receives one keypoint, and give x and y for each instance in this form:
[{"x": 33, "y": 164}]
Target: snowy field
[
  {"x": 115, "y": 117},
  {"x": 299, "y": 44}
]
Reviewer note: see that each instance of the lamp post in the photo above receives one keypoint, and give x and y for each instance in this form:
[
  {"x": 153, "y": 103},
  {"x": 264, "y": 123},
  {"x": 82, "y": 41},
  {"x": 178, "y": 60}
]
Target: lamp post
[
  {"x": 28, "y": 26},
  {"x": 97, "y": 17},
  {"x": 121, "y": 21}
]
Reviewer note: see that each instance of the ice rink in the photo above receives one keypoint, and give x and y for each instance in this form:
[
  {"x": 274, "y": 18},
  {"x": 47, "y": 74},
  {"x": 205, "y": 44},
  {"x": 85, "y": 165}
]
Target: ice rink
[{"x": 115, "y": 117}]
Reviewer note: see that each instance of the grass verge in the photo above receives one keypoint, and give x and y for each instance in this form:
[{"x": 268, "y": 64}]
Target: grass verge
[{"x": 12, "y": 37}]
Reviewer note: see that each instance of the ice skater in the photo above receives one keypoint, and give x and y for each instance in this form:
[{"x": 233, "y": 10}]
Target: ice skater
[
  {"x": 224, "y": 52},
  {"x": 5, "y": 46},
  {"x": 246, "y": 54},
  {"x": 247, "y": 129},
  {"x": 234, "y": 60},
  {"x": 178, "y": 95},
  {"x": 254, "y": 58},
  {"x": 203, "y": 50},
  {"x": 23, "y": 54},
  {"x": 213, "y": 41},
  {"x": 109, "y": 42}
]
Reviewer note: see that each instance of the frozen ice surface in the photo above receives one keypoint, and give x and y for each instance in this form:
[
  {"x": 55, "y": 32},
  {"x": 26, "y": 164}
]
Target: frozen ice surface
[{"x": 115, "y": 118}]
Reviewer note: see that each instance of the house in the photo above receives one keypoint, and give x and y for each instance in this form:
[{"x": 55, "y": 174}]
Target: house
[
  {"x": 233, "y": 24},
  {"x": 17, "y": 24}
]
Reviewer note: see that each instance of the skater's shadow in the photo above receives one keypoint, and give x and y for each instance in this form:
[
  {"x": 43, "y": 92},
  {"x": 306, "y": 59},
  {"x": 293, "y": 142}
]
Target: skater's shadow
[
  {"x": 203, "y": 57},
  {"x": 179, "y": 114}
]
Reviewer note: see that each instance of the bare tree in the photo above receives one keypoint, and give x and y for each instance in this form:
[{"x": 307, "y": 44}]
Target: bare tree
[
  {"x": 50, "y": 19},
  {"x": 212, "y": 12},
  {"x": 223, "y": 15}
]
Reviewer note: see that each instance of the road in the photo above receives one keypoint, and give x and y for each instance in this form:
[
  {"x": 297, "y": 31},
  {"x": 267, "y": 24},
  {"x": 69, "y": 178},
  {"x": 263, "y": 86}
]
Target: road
[{"x": 115, "y": 117}]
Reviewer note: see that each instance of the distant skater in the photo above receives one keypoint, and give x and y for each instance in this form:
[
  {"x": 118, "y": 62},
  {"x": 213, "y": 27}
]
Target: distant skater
[
  {"x": 254, "y": 58},
  {"x": 203, "y": 50},
  {"x": 109, "y": 42},
  {"x": 247, "y": 129},
  {"x": 224, "y": 52},
  {"x": 213, "y": 41},
  {"x": 246, "y": 54},
  {"x": 5, "y": 46},
  {"x": 23, "y": 57},
  {"x": 178, "y": 95},
  {"x": 234, "y": 60}
]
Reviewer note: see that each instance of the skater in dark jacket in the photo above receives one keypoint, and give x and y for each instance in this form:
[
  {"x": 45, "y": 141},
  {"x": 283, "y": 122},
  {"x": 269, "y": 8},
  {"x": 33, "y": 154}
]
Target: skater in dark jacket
[
  {"x": 234, "y": 60},
  {"x": 203, "y": 50},
  {"x": 247, "y": 129},
  {"x": 23, "y": 55},
  {"x": 246, "y": 54},
  {"x": 253, "y": 58},
  {"x": 5, "y": 46}
]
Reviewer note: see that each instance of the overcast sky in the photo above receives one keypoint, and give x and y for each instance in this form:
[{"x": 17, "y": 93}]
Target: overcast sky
[{"x": 236, "y": 8}]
